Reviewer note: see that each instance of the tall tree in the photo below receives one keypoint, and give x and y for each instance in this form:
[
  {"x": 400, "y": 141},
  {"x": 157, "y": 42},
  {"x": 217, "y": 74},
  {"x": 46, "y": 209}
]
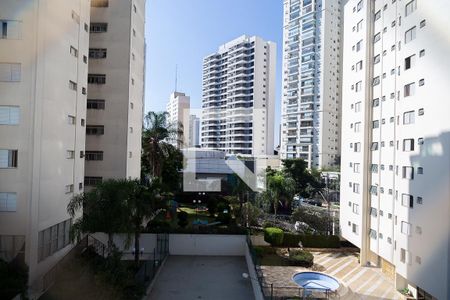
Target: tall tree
[
  {"x": 280, "y": 189},
  {"x": 157, "y": 136}
]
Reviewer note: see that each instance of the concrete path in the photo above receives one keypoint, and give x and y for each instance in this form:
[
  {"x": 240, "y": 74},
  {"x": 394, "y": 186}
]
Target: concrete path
[{"x": 202, "y": 277}]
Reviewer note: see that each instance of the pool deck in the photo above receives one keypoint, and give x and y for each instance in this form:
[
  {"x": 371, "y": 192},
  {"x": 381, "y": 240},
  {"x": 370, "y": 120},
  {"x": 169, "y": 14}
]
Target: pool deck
[
  {"x": 363, "y": 282},
  {"x": 202, "y": 277}
]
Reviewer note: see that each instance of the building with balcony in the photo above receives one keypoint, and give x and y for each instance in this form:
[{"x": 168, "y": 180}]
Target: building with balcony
[
  {"x": 311, "y": 100},
  {"x": 395, "y": 174},
  {"x": 239, "y": 97},
  {"x": 115, "y": 99},
  {"x": 194, "y": 131},
  {"x": 43, "y": 83}
]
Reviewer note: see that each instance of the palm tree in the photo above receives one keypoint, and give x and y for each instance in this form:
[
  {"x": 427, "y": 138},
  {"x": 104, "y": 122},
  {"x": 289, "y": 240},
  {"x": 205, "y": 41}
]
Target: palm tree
[
  {"x": 157, "y": 135},
  {"x": 102, "y": 210},
  {"x": 279, "y": 187}
]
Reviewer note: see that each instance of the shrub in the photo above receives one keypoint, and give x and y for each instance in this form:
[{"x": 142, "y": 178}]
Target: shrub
[
  {"x": 291, "y": 240},
  {"x": 301, "y": 258},
  {"x": 224, "y": 218},
  {"x": 268, "y": 224},
  {"x": 320, "y": 241},
  {"x": 273, "y": 236},
  {"x": 182, "y": 219}
]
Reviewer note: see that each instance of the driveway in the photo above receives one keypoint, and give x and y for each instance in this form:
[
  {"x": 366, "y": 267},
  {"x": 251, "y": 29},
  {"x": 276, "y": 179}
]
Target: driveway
[{"x": 202, "y": 277}]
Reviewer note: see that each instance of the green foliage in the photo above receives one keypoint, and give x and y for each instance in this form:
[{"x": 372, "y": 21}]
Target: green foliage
[
  {"x": 221, "y": 206},
  {"x": 251, "y": 213},
  {"x": 301, "y": 258},
  {"x": 268, "y": 224},
  {"x": 307, "y": 182},
  {"x": 114, "y": 272},
  {"x": 13, "y": 279},
  {"x": 320, "y": 241},
  {"x": 273, "y": 236},
  {"x": 317, "y": 220},
  {"x": 182, "y": 219},
  {"x": 224, "y": 218},
  {"x": 280, "y": 188},
  {"x": 291, "y": 240}
]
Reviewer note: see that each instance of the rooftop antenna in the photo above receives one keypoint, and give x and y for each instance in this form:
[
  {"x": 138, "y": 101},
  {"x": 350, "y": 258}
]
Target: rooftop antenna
[{"x": 176, "y": 77}]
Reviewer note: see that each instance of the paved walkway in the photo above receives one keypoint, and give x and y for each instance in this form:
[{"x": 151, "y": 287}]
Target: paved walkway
[
  {"x": 202, "y": 277},
  {"x": 363, "y": 282}
]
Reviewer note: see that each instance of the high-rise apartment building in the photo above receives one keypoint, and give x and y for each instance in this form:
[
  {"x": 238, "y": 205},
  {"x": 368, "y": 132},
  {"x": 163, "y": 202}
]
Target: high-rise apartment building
[
  {"x": 239, "y": 97},
  {"x": 43, "y": 72},
  {"x": 311, "y": 100},
  {"x": 178, "y": 115},
  {"x": 115, "y": 90},
  {"x": 194, "y": 131},
  {"x": 395, "y": 192}
]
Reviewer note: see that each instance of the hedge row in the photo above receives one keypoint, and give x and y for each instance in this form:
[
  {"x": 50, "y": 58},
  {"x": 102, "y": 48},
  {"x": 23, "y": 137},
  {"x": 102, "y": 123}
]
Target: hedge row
[{"x": 311, "y": 241}]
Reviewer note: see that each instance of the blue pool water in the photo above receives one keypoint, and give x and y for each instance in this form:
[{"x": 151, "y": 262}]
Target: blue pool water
[{"x": 314, "y": 280}]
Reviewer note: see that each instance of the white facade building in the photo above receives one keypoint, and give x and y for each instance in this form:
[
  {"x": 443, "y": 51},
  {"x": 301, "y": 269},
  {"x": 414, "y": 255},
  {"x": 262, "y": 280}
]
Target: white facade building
[
  {"x": 194, "y": 131},
  {"x": 43, "y": 72},
  {"x": 178, "y": 110},
  {"x": 116, "y": 90},
  {"x": 311, "y": 100},
  {"x": 239, "y": 97},
  {"x": 395, "y": 191}
]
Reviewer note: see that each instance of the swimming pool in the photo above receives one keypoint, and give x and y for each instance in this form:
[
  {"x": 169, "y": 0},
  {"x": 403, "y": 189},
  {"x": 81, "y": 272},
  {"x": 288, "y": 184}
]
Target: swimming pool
[{"x": 316, "y": 281}]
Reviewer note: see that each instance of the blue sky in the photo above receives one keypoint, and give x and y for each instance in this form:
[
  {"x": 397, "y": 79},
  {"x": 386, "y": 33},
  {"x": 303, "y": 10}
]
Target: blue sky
[{"x": 182, "y": 32}]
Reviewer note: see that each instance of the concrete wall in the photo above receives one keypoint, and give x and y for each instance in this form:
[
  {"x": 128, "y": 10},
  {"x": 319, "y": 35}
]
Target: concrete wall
[
  {"x": 257, "y": 291},
  {"x": 207, "y": 244}
]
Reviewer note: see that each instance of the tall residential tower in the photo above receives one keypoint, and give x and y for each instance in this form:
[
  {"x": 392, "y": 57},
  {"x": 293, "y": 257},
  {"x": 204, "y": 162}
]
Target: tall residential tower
[
  {"x": 311, "y": 100},
  {"x": 239, "y": 97},
  {"x": 396, "y": 153},
  {"x": 178, "y": 110},
  {"x": 116, "y": 90},
  {"x": 43, "y": 72}
]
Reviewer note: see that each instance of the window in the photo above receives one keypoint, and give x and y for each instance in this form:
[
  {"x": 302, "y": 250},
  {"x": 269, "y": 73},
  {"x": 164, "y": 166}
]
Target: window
[
  {"x": 73, "y": 51},
  {"x": 134, "y": 8},
  {"x": 419, "y": 200},
  {"x": 421, "y": 82},
  {"x": 377, "y": 15},
  {"x": 357, "y": 126},
  {"x": 358, "y": 45},
  {"x": 83, "y": 90},
  {"x": 372, "y": 234},
  {"x": 410, "y": 34},
  {"x": 375, "y": 124},
  {"x": 356, "y": 168},
  {"x": 406, "y": 228},
  {"x": 355, "y": 228},
  {"x": 69, "y": 188},
  {"x": 71, "y": 120},
  {"x": 377, "y": 37},
  {"x": 72, "y": 85},
  {"x": 373, "y": 190},
  {"x": 131, "y": 129},
  {"x": 9, "y": 115},
  {"x": 75, "y": 17},
  {"x": 70, "y": 154},
  {"x": 86, "y": 27},
  {"x": 420, "y": 141},
  {"x": 95, "y": 104},
  {"x": 53, "y": 239},
  {"x": 422, "y": 23},
  {"x": 359, "y": 65},
  {"x": 407, "y": 200},
  {"x": 99, "y": 3},
  {"x": 408, "y": 117},
  {"x": 95, "y": 129},
  {"x": 10, "y": 72},
  {"x": 360, "y": 5},
  {"x": 422, "y": 53},
  {"x": 408, "y": 172},
  {"x": 94, "y": 155},
  {"x": 97, "y": 53},
  {"x": 409, "y": 89},
  {"x": 8, "y": 158},
  {"x": 409, "y": 61},
  {"x": 96, "y": 78},
  {"x": 376, "y": 81},
  {"x": 375, "y": 102},
  {"x": 98, "y": 27},
  {"x": 359, "y": 26},
  {"x": 373, "y": 212},
  {"x": 11, "y": 30},
  {"x": 420, "y": 170},
  {"x": 358, "y": 86},
  {"x": 8, "y": 202},
  {"x": 92, "y": 181},
  {"x": 376, "y": 59},
  {"x": 356, "y": 188},
  {"x": 408, "y": 145},
  {"x": 357, "y": 106},
  {"x": 421, "y": 112},
  {"x": 410, "y": 7},
  {"x": 374, "y": 168},
  {"x": 357, "y": 147}
]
